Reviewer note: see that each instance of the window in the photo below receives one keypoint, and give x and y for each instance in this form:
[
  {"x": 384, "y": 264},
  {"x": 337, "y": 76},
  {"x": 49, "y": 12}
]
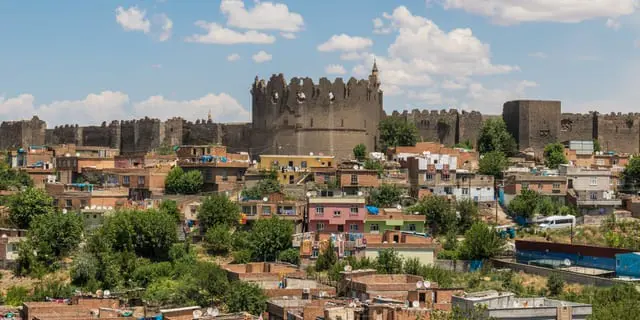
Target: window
[
  {"x": 68, "y": 203},
  {"x": 209, "y": 175},
  {"x": 266, "y": 210},
  {"x": 225, "y": 175},
  {"x": 465, "y": 191},
  {"x": 593, "y": 195},
  {"x": 341, "y": 228},
  {"x": 445, "y": 176},
  {"x": 447, "y": 190},
  {"x": 354, "y": 179},
  {"x": 539, "y": 186},
  {"x": 428, "y": 177},
  {"x": 412, "y": 227},
  {"x": 141, "y": 180},
  {"x": 246, "y": 210},
  {"x": 303, "y": 164},
  {"x": 353, "y": 227},
  {"x": 125, "y": 180},
  {"x": 600, "y": 162},
  {"x": 55, "y": 202},
  {"x": 525, "y": 186},
  {"x": 336, "y": 213},
  {"x": 594, "y": 181},
  {"x": 319, "y": 211},
  {"x": 556, "y": 186},
  {"x": 464, "y": 179},
  {"x": 319, "y": 226},
  {"x": 311, "y": 123},
  {"x": 342, "y": 122},
  {"x": 84, "y": 203},
  {"x": 374, "y": 227}
]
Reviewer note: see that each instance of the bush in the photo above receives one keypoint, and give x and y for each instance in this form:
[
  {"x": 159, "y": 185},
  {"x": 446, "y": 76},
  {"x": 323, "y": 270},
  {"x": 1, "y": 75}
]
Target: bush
[
  {"x": 290, "y": 255},
  {"x": 244, "y": 296},
  {"x": 146, "y": 274},
  {"x": 327, "y": 258},
  {"x": 242, "y": 256},
  {"x": 16, "y": 295},
  {"x": 218, "y": 239},
  {"x": 555, "y": 284}
]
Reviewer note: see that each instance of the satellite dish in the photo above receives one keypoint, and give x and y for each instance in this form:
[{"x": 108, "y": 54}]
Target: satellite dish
[
  {"x": 308, "y": 194},
  {"x": 197, "y": 314},
  {"x": 4, "y": 236},
  {"x": 99, "y": 293},
  {"x": 86, "y": 208},
  {"x": 567, "y": 262},
  {"x": 265, "y": 199},
  {"x": 427, "y": 284},
  {"x": 107, "y": 293},
  {"x": 311, "y": 153},
  {"x": 355, "y": 167},
  {"x": 213, "y": 312},
  {"x": 110, "y": 208},
  {"x": 360, "y": 193},
  {"x": 416, "y": 304},
  {"x": 64, "y": 210},
  {"x": 419, "y": 284},
  {"x": 348, "y": 268},
  {"x": 399, "y": 207}
]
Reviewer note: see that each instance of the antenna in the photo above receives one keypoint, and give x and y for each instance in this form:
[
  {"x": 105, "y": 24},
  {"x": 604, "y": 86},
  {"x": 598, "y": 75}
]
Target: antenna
[
  {"x": 399, "y": 207},
  {"x": 197, "y": 314}
]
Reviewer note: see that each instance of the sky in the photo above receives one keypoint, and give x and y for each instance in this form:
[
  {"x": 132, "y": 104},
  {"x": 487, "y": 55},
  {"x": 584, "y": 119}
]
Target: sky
[{"x": 86, "y": 62}]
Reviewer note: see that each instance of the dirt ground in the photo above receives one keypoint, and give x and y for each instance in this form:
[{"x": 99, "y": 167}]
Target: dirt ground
[
  {"x": 489, "y": 216},
  {"x": 9, "y": 280}
]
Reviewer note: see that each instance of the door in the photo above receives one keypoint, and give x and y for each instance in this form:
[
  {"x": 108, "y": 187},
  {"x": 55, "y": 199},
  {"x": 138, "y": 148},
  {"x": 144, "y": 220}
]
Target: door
[{"x": 341, "y": 228}]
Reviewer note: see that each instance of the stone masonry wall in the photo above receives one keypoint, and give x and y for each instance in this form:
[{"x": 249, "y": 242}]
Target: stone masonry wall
[
  {"x": 578, "y": 126},
  {"x": 619, "y": 132}
]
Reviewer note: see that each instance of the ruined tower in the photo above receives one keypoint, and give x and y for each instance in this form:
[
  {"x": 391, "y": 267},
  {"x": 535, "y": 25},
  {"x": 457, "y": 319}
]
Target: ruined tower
[{"x": 303, "y": 117}]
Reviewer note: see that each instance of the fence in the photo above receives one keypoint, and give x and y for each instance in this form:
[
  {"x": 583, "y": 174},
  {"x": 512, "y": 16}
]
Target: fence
[{"x": 568, "y": 276}]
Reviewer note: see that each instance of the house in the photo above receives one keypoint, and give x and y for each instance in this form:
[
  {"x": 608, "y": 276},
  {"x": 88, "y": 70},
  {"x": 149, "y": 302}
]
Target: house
[
  {"x": 476, "y": 187},
  {"x": 93, "y": 217},
  {"x": 344, "y": 244},
  {"x": 31, "y": 157},
  {"x": 143, "y": 160},
  {"x": 77, "y": 308},
  {"x": 275, "y": 205},
  {"x": 353, "y": 180},
  {"x": 257, "y": 271},
  {"x": 77, "y": 196},
  {"x": 392, "y": 219},
  {"x": 465, "y": 159},
  {"x": 336, "y": 214},
  {"x": 221, "y": 170},
  {"x": 554, "y": 187},
  {"x": 292, "y": 169},
  {"x": 9, "y": 243},
  {"x": 407, "y": 244},
  {"x": 433, "y": 173},
  {"x": 505, "y": 305},
  {"x": 590, "y": 190}
]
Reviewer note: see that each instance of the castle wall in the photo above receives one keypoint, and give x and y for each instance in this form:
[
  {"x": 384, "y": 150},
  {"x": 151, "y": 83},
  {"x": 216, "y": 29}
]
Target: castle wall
[
  {"x": 577, "y": 127},
  {"x": 97, "y": 136},
  {"x": 236, "y": 136},
  {"x": 24, "y": 133},
  {"x": 201, "y": 132},
  {"x": 435, "y": 126},
  {"x": 469, "y": 126},
  {"x": 141, "y": 135},
  {"x": 619, "y": 132},
  {"x": 533, "y": 123},
  {"x": 67, "y": 134}
]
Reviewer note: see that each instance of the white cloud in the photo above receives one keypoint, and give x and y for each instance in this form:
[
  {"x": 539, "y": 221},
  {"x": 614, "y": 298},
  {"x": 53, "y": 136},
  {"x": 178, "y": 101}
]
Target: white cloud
[
  {"x": 133, "y": 19},
  {"x": 454, "y": 84},
  {"x": 344, "y": 42},
  {"x": 379, "y": 27},
  {"x": 263, "y": 16},
  {"x": 233, "y": 57},
  {"x": 288, "y": 35},
  {"x": 568, "y": 11},
  {"x": 335, "y": 69},
  {"x": 612, "y": 24},
  {"x": 216, "y": 34},
  {"x": 166, "y": 27},
  {"x": 430, "y": 98},
  {"x": 261, "y": 57},
  {"x": 354, "y": 56},
  {"x": 539, "y": 55},
  {"x": 482, "y": 98},
  {"x": 110, "y": 105}
]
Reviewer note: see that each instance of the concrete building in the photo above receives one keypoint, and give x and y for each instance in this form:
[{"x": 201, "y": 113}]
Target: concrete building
[
  {"x": 81, "y": 195},
  {"x": 9, "y": 243},
  {"x": 353, "y": 180},
  {"x": 258, "y": 271},
  {"x": 473, "y": 186},
  {"x": 221, "y": 170},
  {"x": 393, "y": 219},
  {"x": 505, "y": 305},
  {"x": 276, "y": 205},
  {"x": 407, "y": 244},
  {"x": 433, "y": 173},
  {"x": 336, "y": 214},
  {"x": 590, "y": 190},
  {"x": 466, "y": 159},
  {"x": 554, "y": 187},
  {"x": 292, "y": 169}
]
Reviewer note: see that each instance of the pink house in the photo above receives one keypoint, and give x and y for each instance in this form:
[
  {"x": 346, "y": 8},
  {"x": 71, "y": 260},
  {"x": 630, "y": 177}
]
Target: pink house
[{"x": 337, "y": 214}]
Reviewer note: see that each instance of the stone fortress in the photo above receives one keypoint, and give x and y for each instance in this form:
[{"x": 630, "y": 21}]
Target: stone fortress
[{"x": 331, "y": 118}]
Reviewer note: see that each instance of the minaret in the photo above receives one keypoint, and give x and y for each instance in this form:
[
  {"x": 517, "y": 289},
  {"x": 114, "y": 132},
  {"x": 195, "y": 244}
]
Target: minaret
[
  {"x": 209, "y": 116},
  {"x": 373, "y": 78}
]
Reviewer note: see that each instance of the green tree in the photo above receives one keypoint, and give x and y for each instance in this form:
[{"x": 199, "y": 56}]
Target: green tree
[
  {"x": 547, "y": 207},
  {"x": 439, "y": 212},
  {"x": 631, "y": 175},
  {"x": 389, "y": 262},
  {"x": 290, "y": 255},
  {"x": 468, "y": 214},
  {"x": 244, "y": 296},
  {"x": 524, "y": 204},
  {"x": 28, "y": 204},
  {"x": 396, "y": 132},
  {"x": 385, "y": 196},
  {"x": 218, "y": 239},
  {"x": 192, "y": 182},
  {"x": 16, "y": 295},
  {"x": 596, "y": 145},
  {"x": 55, "y": 235},
  {"x": 481, "y": 242},
  {"x": 263, "y": 188},
  {"x": 170, "y": 207},
  {"x": 555, "y": 284},
  {"x": 12, "y": 179},
  {"x": 467, "y": 144},
  {"x": 493, "y": 163},
  {"x": 360, "y": 152},
  {"x": 270, "y": 236},
  {"x": 326, "y": 258},
  {"x": 173, "y": 183},
  {"x": 495, "y": 137},
  {"x": 554, "y": 155},
  {"x": 218, "y": 210}
]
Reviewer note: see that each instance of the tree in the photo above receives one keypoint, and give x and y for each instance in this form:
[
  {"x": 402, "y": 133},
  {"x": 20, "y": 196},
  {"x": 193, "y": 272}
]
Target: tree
[
  {"x": 12, "y": 179},
  {"x": 218, "y": 210},
  {"x": 555, "y": 284},
  {"x": 270, "y": 236},
  {"x": 481, "y": 242},
  {"x": 554, "y": 155},
  {"x": 244, "y": 296},
  {"x": 467, "y": 144},
  {"x": 290, "y": 255},
  {"x": 389, "y": 262},
  {"x": 495, "y": 137},
  {"x": 525, "y": 204},
  {"x": 326, "y": 258},
  {"x": 16, "y": 295},
  {"x": 631, "y": 175},
  {"x": 468, "y": 214},
  {"x": 170, "y": 207},
  {"x": 218, "y": 239},
  {"x": 371, "y": 164},
  {"x": 596, "y": 145},
  {"x": 263, "y": 188},
  {"x": 493, "y": 163},
  {"x": 178, "y": 181},
  {"x": 385, "y": 196},
  {"x": 55, "y": 235},
  {"x": 360, "y": 152},
  {"x": 28, "y": 204},
  {"x": 173, "y": 181},
  {"x": 396, "y": 132},
  {"x": 439, "y": 212}
]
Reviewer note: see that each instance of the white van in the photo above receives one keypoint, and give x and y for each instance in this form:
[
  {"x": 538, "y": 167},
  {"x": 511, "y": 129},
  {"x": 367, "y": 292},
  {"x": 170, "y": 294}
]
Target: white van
[{"x": 557, "y": 222}]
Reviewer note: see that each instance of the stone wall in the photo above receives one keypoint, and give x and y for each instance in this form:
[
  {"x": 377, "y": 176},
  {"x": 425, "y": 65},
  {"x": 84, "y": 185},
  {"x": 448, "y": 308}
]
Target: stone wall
[
  {"x": 533, "y": 123},
  {"x": 619, "y": 132},
  {"x": 578, "y": 126},
  {"x": 140, "y": 135},
  {"x": 14, "y": 134}
]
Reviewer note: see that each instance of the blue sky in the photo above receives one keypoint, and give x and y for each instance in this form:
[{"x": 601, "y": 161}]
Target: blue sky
[{"x": 85, "y": 62}]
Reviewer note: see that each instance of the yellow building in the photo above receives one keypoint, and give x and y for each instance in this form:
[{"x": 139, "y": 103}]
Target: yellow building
[{"x": 292, "y": 169}]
